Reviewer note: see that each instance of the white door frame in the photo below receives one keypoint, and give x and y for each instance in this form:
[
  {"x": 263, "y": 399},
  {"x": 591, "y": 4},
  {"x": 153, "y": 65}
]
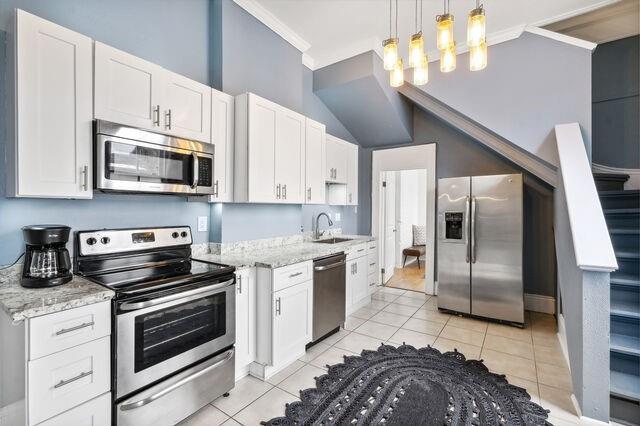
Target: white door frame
[{"x": 407, "y": 158}]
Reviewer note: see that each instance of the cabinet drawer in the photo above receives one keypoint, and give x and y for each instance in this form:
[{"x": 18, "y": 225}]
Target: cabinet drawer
[
  {"x": 96, "y": 412},
  {"x": 372, "y": 264},
  {"x": 68, "y": 378},
  {"x": 357, "y": 251},
  {"x": 374, "y": 280},
  {"x": 292, "y": 274},
  {"x": 372, "y": 245},
  {"x": 53, "y": 333}
]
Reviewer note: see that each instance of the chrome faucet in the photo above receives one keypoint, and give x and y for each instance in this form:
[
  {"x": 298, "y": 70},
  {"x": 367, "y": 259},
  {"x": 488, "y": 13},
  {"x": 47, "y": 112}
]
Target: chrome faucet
[{"x": 316, "y": 232}]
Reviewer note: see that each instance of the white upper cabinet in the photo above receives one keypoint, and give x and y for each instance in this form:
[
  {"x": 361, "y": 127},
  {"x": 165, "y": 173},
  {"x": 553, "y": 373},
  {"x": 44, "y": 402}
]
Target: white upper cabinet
[
  {"x": 315, "y": 138},
  {"x": 138, "y": 93},
  {"x": 222, "y": 136},
  {"x": 51, "y": 86},
  {"x": 128, "y": 90},
  {"x": 352, "y": 175},
  {"x": 269, "y": 152},
  {"x": 336, "y": 160},
  {"x": 186, "y": 107}
]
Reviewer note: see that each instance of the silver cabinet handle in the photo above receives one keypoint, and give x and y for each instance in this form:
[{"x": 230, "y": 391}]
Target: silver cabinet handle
[
  {"x": 278, "y": 306},
  {"x": 196, "y": 170},
  {"x": 167, "y": 119},
  {"x": 278, "y": 191},
  {"x": 309, "y": 194},
  {"x": 295, "y": 275},
  {"x": 77, "y": 327},
  {"x": 466, "y": 226},
  {"x": 284, "y": 191},
  {"x": 239, "y": 279},
  {"x": 176, "y": 385},
  {"x": 372, "y": 264},
  {"x": 474, "y": 213},
  {"x": 215, "y": 188},
  {"x": 185, "y": 295},
  {"x": 85, "y": 178},
  {"x": 350, "y": 198},
  {"x": 331, "y": 266},
  {"x": 156, "y": 115},
  {"x": 360, "y": 250},
  {"x": 62, "y": 383},
  {"x": 356, "y": 267}
]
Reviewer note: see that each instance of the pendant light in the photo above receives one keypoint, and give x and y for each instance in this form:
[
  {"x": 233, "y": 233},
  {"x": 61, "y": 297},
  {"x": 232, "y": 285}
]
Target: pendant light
[
  {"x": 416, "y": 42},
  {"x": 390, "y": 45},
  {"x": 421, "y": 72},
  {"x": 396, "y": 76},
  {"x": 477, "y": 38},
  {"x": 448, "y": 58},
  {"x": 444, "y": 28}
]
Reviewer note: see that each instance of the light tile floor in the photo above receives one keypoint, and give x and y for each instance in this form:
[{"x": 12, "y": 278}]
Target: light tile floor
[{"x": 530, "y": 357}]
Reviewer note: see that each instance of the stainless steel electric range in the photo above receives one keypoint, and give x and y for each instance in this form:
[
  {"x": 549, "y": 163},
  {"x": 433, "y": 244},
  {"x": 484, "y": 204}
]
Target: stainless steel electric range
[{"x": 173, "y": 321}]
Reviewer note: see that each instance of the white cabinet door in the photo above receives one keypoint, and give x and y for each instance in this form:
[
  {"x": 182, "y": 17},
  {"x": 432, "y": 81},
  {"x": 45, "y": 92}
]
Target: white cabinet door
[
  {"x": 128, "y": 90},
  {"x": 351, "y": 282},
  {"x": 245, "y": 318},
  {"x": 186, "y": 107},
  {"x": 336, "y": 160},
  {"x": 96, "y": 412},
  {"x": 222, "y": 136},
  {"x": 315, "y": 137},
  {"x": 292, "y": 320},
  {"x": 352, "y": 175},
  {"x": 360, "y": 285},
  {"x": 290, "y": 156},
  {"x": 53, "y": 137},
  {"x": 262, "y": 118}
]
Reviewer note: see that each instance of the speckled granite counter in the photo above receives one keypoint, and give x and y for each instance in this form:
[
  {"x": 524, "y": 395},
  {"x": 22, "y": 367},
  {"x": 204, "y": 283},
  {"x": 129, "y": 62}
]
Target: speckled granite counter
[
  {"x": 20, "y": 303},
  {"x": 287, "y": 254}
]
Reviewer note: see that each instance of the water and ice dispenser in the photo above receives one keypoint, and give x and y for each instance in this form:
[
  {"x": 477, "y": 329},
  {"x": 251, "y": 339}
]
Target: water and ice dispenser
[{"x": 453, "y": 225}]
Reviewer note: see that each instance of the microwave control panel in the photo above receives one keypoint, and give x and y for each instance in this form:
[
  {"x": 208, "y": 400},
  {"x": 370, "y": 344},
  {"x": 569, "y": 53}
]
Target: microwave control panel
[{"x": 205, "y": 171}]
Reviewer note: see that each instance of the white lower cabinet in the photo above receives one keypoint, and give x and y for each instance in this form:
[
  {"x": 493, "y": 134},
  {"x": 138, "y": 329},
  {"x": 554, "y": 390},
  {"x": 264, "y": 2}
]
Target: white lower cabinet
[
  {"x": 96, "y": 412},
  {"x": 284, "y": 317},
  {"x": 245, "y": 320},
  {"x": 357, "y": 293}
]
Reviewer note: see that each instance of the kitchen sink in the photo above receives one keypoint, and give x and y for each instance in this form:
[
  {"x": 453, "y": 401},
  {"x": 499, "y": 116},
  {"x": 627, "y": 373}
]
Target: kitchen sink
[{"x": 333, "y": 240}]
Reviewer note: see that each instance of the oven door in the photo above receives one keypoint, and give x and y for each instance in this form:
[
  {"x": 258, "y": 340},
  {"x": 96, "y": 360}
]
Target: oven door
[
  {"x": 157, "y": 337},
  {"x": 136, "y": 166}
]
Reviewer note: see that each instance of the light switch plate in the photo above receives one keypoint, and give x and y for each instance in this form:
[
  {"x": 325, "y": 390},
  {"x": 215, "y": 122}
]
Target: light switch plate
[
  {"x": 203, "y": 223},
  {"x": 338, "y": 215}
]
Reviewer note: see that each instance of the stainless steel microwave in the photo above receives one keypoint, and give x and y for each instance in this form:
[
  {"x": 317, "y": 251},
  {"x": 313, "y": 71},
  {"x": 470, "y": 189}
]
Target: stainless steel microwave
[{"x": 127, "y": 159}]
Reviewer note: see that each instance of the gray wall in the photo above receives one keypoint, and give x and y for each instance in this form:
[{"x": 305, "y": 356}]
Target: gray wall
[
  {"x": 530, "y": 84},
  {"x": 616, "y": 103}
]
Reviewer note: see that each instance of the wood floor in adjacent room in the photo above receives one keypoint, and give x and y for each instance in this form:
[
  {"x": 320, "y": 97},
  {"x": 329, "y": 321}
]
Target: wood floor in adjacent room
[{"x": 408, "y": 278}]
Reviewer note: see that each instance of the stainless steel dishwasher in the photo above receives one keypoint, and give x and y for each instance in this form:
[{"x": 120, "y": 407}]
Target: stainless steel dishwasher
[{"x": 329, "y": 294}]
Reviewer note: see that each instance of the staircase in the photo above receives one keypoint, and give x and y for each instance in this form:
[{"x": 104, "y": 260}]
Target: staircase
[{"x": 622, "y": 213}]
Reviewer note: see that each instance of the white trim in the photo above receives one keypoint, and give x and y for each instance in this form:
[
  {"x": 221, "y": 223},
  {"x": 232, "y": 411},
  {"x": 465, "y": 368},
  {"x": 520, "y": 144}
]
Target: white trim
[
  {"x": 272, "y": 22},
  {"x": 561, "y": 38},
  {"x": 590, "y": 236},
  {"x": 634, "y": 174},
  {"x": 308, "y": 61},
  {"x": 562, "y": 338},
  {"x": 572, "y": 13},
  {"x": 539, "y": 303},
  {"x": 519, "y": 156}
]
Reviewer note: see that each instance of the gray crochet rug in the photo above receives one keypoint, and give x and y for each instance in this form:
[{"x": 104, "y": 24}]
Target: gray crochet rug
[{"x": 409, "y": 386}]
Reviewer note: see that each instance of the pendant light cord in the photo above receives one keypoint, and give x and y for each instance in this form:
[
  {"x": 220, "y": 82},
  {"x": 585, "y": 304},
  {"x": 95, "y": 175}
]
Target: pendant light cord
[
  {"x": 416, "y": 16},
  {"x": 396, "y": 18},
  {"x": 390, "y": 18}
]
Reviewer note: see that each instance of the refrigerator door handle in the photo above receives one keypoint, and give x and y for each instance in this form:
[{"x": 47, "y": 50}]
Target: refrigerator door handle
[
  {"x": 466, "y": 227},
  {"x": 474, "y": 211}
]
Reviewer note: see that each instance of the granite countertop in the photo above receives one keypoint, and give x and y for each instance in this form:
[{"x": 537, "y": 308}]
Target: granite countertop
[
  {"x": 20, "y": 303},
  {"x": 275, "y": 257}
]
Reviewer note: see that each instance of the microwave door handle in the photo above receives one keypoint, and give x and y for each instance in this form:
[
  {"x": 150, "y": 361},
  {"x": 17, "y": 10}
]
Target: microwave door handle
[
  {"x": 185, "y": 295},
  {"x": 196, "y": 170}
]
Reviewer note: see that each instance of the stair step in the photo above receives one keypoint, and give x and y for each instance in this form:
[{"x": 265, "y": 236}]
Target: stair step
[
  {"x": 625, "y": 281},
  {"x": 610, "y": 181},
  {"x": 625, "y": 376},
  {"x": 625, "y": 239},
  {"x": 628, "y": 268},
  {"x": 625, "y": 308},
  {"x": 629, "y": 199},
  {"x": 625, "y": 344},
  {"x": 622, "y": 218},
  {"x": 628, "y": 255}
]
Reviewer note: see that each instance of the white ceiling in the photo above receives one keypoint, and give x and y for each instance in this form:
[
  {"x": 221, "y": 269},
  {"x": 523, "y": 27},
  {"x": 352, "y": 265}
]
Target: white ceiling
[{"x": 338, "y": 29}]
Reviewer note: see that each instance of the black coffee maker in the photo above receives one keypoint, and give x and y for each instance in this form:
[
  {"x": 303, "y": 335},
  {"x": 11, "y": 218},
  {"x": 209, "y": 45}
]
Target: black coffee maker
[{"x": 46, "y": 260}]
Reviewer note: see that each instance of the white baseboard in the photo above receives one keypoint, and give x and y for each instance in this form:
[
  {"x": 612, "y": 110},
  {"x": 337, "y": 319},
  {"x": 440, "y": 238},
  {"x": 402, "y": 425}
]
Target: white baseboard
[
  {"x": 634, "y": 174},
  {"x": 539, "y": 303}
]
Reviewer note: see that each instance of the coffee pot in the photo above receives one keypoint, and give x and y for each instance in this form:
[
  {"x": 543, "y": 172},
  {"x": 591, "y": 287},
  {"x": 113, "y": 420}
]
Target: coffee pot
[{"x": 47, "y": 262}]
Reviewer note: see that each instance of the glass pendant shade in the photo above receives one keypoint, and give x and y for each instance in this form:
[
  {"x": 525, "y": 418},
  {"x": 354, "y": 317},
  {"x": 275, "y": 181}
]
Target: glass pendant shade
[
  {"x": 416, "y": 49},
  {"x": 476, "y": 28},
  {"x": 448, "y": 59},
  {"x": 444, "y": 28},
  {"x": 390, "y": 53},
  {"x": 421, "y": 72},
  {"x": 478, "y": 57},
  {"x": 396, "y": 76}
]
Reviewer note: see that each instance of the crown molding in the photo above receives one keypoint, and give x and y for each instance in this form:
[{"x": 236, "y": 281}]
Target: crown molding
[
  {"x": 272, "y": 22},
  {"x": 308, "y": 61},
  {"x": 572, "y": 13},
  {"x": 349, "y": 51},
  {"x": 561, "y": 38}
]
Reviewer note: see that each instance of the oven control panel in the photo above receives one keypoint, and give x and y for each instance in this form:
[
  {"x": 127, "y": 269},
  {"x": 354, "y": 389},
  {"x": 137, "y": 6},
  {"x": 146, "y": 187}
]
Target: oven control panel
[{"x": 109, "y": 241}]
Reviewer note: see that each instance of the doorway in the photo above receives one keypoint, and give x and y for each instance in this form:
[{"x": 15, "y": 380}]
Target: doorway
[{"x": 403, "y": 216}]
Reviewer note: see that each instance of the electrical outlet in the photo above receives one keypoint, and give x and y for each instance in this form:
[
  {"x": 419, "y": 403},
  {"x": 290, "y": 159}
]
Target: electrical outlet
[
  {"x": 338, "y": 217},
  {"x": 203, "y": 223}
]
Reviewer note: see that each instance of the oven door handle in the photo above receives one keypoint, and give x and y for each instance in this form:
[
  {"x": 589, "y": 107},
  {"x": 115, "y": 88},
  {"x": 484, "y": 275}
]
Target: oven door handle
[
  {"x": 176, "y": 385},
  {"x": 187, "y": 295}
]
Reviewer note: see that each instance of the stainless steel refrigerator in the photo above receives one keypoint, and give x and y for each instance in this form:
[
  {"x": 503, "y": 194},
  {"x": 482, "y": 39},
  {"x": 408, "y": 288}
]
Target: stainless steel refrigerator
[{"x": 480, "y": 246}]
